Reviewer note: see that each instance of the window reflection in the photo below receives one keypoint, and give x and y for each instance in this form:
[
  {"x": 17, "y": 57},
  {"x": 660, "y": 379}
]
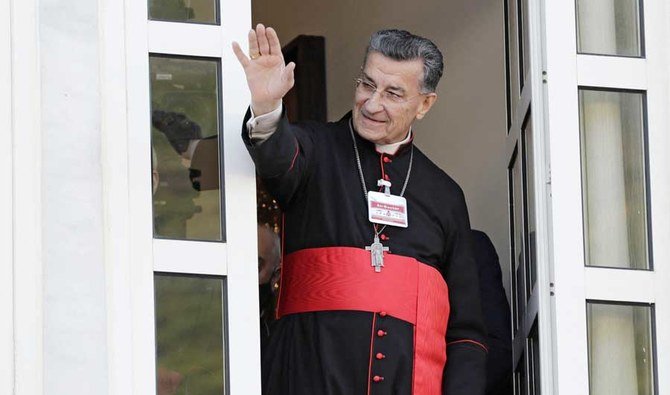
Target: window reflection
[
  {"x": 508, "y": 84},
  {"x": 513, "y": 52},
  {"x": 195, "y": 11},
  {"x": 609, "y": 27},
  {"x": 620, "y": 349},
  {"x": 614, "y": 178},
  {"x": 533, "y": 346},
  {"x": 531, "y": 231},
  {"x": 521, "y": 377},
  {"x": 524, "y": 51},
  {"x": 189, "y": 335},
  {"x": 185, "y": 148},
  {"x": 518, "y": 255}
]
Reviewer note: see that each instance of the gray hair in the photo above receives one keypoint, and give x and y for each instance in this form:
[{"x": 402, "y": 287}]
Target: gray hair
[{"x": 402, "y": 45}]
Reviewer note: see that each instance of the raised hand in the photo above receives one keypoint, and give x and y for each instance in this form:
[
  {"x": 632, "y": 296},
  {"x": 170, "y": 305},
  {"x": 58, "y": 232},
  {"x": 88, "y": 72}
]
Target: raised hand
[{"x": 267, "y": 76}]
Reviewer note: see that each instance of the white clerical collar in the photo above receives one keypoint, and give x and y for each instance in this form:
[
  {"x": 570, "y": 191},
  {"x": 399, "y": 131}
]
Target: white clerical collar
[{"x": 391, "y": 149}]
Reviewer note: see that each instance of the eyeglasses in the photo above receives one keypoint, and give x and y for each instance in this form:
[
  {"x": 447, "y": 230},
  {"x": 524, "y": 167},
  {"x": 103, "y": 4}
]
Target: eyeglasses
[{"x": 367, "y": 89}]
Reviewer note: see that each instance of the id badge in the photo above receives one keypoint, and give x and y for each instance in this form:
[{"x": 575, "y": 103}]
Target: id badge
[{"x": 387, "y": 209}]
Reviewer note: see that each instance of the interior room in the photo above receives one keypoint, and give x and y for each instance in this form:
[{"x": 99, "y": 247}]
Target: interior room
[{"x": 465, "y": 131}]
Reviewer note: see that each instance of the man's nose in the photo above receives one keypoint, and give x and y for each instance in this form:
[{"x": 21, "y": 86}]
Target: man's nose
[{"x": 374, "y": 103}]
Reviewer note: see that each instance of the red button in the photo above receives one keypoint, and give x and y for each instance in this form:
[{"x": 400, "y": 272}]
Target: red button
[
  {"x": 382, "y": 313},
  {"x": 380, "y": 356},
  {"x": 377, "y": 379},
  {"x": 381, "y": 333},
  {"x": 384, "y": 237},
  {"x": 387, "y": 159}
]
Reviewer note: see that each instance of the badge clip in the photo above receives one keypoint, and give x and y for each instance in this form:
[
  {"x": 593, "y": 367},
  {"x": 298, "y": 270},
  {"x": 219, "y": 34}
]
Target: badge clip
[{"x": 386, "y": 185}]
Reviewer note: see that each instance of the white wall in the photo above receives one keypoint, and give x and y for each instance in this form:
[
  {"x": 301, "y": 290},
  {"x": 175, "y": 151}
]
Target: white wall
[
  {"x": 465, "y": 131},
  {"x": 6, "y": 204},
  {"x": 75, "y": 351}
]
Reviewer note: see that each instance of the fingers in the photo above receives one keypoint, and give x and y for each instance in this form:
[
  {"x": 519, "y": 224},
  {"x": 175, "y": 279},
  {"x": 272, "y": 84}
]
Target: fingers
[
  {"x": 263, "y": 45},
  {"x": 273, "y": 41},
  {"x": 262, "y": 41},
  {"x": 241, "y": 57},
  {"x": 253, "y": 44},
  {"x": 287, "y": 74}
]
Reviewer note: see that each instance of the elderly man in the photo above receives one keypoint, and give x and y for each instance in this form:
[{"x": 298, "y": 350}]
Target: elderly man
[{"x": 379, "y": 291}]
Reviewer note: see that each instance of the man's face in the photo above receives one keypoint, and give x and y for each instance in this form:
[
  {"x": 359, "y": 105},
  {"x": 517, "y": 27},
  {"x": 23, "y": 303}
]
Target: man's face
[{"x": 385, "y": 114}]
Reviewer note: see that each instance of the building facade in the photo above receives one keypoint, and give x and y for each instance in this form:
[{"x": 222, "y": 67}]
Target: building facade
[{"x": 124, "y": 272}]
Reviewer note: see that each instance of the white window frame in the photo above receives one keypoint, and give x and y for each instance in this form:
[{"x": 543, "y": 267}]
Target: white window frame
[
  {"x": 532, "y": 100},
  {"x": 574, "y": 282},
  {"x": 128, "y": 38},
  {"x": 542, "y": 175},
  {"x": 20, "y": 233},
  {"x": 6, "y": 203}
]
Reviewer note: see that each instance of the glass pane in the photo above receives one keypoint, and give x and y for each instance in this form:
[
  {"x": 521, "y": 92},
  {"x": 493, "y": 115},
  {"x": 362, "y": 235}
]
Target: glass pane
[
  {"x": 513, "y": 57},
  {"x": 534, "y": 360},
  {"x": 519, "y": 256},
  {"x": 197, "y": 11},
  {"x": 184, "y": 139},
  {"x": 189, "y": 335},
  {"x": 524, "y": 55},
  {"x": 620, "y": 349},
  {"x": 520, "y": 377},
  {"x": 609, "y": 27},
  {"x": 613, "y": 178},
  {"x": 530, "y": 204},
  {"x": 508, "y": 83},
  {"x": 517, "y": 259}
]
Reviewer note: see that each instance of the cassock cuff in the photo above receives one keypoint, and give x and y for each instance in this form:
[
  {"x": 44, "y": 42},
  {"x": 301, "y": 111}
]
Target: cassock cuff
[
  {"x": 263, "y": 126},
  {"x": 465, "y": 373},
  {"x": 277, "y": 154}
]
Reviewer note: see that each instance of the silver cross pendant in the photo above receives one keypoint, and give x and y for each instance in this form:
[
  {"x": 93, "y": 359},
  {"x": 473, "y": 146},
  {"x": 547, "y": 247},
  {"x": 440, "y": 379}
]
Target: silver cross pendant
[{"x": 377, "y": 254}]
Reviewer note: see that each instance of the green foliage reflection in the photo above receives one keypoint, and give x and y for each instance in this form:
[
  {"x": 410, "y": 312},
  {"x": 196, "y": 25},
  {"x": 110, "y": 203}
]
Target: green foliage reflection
[
  {"x": 189, "y": 335},
  {"x": 200, "y": 11},
  {"x": 188, "y": 88}
]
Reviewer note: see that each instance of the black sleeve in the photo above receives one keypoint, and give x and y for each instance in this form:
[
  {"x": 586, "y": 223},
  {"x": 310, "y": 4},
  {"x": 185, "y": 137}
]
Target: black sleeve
[
  {"x": 497, "y": 317},
  {"x": 283, "y": 161},
  {"x": 465, "y": 373}
]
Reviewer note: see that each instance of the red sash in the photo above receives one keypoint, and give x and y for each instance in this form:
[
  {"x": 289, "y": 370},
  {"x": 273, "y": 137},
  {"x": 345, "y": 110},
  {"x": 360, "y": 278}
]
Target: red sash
[{"x": 341, "y": 278}]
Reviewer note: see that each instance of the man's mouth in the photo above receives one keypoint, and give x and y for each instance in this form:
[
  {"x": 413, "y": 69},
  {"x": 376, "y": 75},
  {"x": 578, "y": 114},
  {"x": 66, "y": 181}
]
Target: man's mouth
[{"x": 371, "y": 119}]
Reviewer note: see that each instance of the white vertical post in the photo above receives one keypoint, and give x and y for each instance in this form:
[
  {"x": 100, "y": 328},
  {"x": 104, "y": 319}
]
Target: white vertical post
[
  {"x": 572, "y": 285},
  {"x": 569, "y": 306},
  {"x": 139, "y": 190},
  {"x": 542, "y": 193},
  {"x": 27, "y": 208},
  {"x": 114, "y": 128},
  {"x": 240, "y": 184},
  {"x": 657, "y": 41},
  {"x": 6, "y": 203}
]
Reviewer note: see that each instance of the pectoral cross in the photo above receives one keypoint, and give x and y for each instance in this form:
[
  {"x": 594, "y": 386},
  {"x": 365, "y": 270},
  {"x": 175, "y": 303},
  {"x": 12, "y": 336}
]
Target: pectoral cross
[{"x": 377, "y": 254}]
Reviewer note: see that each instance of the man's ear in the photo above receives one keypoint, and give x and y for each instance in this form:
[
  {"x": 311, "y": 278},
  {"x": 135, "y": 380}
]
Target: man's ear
[{"x": 428, "y": 101}]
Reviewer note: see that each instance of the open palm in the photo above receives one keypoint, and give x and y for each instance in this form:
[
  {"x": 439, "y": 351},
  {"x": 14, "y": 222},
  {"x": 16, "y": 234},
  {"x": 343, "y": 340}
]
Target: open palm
[{"x": 267, "y": 76}]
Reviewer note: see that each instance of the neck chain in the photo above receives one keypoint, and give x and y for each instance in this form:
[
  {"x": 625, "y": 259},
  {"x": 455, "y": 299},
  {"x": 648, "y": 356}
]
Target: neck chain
[{"x": 360, "y": 173}]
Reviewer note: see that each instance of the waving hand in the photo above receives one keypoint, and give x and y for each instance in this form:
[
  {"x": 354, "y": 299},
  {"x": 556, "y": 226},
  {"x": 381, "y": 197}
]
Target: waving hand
[{"x": 267, "y": 76}]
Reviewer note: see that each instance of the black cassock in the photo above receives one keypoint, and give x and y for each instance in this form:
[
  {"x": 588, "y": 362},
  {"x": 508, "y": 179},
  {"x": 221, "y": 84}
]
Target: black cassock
[{"x": 310, "y": 168}]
